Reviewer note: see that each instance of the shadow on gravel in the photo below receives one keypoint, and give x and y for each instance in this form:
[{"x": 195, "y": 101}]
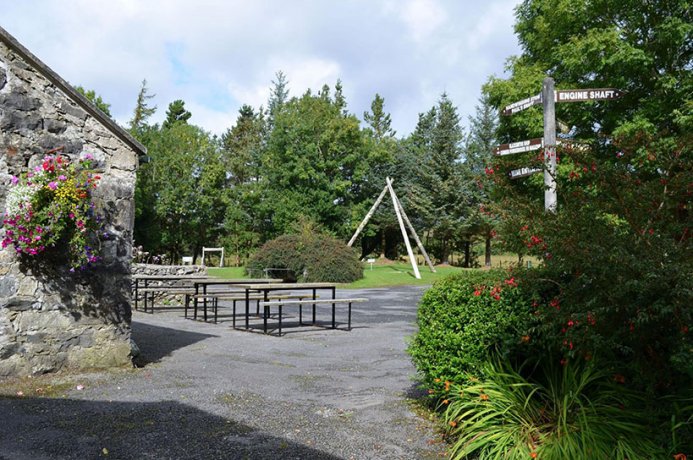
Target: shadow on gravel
[
  {"x": 156, "y": 342},
  {"x": 44, "y": 428}
]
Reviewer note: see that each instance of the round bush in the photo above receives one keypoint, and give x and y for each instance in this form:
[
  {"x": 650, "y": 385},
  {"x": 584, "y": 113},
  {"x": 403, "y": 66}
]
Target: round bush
[
  {"x": 464, "y": 317},
  {"x": 307, "y": 257}
]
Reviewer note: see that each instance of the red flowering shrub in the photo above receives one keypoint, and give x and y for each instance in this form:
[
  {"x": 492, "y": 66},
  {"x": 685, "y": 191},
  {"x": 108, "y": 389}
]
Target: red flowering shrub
[{"x": 464, "y": 317}]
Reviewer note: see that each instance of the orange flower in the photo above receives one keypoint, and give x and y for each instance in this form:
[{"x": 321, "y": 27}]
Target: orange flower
[
  {"x": 680, "y": 457},
  {"x": 525, "y": 339},
  {"x": 447, "y": 385},
  {"x": 436, "y": 380},
  {"x": 533, "y": 455},
  {"x": 445, "y": 401},
  {"x": 430, "y": 392},
  {"x": 453, "y": 424},
  {"x": 484, "y": 397}
]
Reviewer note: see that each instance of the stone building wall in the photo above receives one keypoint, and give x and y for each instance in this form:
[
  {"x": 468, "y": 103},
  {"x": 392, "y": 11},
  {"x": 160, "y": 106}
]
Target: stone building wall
[{"x": 51, "y": 318}]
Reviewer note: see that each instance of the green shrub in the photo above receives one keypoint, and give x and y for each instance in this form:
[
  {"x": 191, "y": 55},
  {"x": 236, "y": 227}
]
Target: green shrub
[
  {"x": 569, "y": 412},
  {"x": 463, "y": 317},
  {"x": 307, "y": 257}
]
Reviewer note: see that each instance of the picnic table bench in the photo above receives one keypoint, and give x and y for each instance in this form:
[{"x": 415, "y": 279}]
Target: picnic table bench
[
  {"x": 165, "y": 284},
  {"x": 235, "y": 296},
  {"x": 282, "y": 302}
]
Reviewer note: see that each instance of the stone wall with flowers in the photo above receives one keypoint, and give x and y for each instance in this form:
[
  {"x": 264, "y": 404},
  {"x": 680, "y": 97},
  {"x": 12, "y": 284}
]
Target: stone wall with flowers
[{"x": 56, "y": 312}]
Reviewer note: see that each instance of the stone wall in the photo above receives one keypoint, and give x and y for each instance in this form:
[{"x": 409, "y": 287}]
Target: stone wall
[
  {"x": 51, "y": 318},
  {"x": 154, "y": 269},
  {"x": 158, "y": 270}
]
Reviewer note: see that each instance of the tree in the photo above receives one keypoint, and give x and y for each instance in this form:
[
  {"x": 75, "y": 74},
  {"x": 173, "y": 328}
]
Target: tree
[
  {"x": 437, "y": 140},
  {"x": 187, "y": 180},
  {"x": 242, "y": 150},
  {"x": 315, "y": 164},
  {"x": 382, "y": 148},
  {"x": 279, "y": 94},
  {"x": 243, "y": 145},
  {"x": 142, "y": 112},
  {"x": 478, "y": 156},
  {"x": 176, "y": 113},
  {"x": 95, "y": 99},
  {"x": 617, "y": 252},
  {"x": 378, "y": 120}
]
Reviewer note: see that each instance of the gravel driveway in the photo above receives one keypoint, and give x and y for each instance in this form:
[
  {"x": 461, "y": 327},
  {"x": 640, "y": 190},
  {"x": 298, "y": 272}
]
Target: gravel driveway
[{"x": 210, "y": 392}]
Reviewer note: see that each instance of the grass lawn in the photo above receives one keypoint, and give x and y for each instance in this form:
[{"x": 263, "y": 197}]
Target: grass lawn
[
  {"x": 227, "y": 272},
  {"x": 391, "y": 274},
  {"x": 386, "y": 274},
  {"x": 399, "y": 274}
]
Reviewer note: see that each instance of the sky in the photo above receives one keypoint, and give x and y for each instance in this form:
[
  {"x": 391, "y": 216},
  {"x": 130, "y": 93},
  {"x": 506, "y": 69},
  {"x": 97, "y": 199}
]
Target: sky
[{"x": 219, "y": 55}]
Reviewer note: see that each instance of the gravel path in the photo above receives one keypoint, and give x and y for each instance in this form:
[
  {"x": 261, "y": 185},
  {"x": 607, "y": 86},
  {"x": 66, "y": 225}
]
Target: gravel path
[{"x": 210, "y": 392}]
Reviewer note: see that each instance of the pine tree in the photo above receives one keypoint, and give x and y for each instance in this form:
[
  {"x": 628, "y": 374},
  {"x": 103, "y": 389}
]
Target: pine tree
[
  {"x": 478, "y": 154},
  {"x": 176, "y": 113},
  {"x": 242, "y": 146},
  {"x": 279, "y": 94},
  {"x": 379, "y": 121},
  {"x": 142, "y": 111}
]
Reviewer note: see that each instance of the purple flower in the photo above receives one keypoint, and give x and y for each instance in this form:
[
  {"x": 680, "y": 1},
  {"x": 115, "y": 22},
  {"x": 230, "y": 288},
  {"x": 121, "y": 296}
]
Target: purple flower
[
  {"x": 62, "y": 177},
  {"x": 15, "y": 180},
  {"x": 52, "y": 185}
]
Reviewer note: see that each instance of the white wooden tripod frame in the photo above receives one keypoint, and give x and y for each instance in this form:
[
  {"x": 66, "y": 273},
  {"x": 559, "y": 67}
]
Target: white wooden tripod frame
[{"x": 401, "y": 218}]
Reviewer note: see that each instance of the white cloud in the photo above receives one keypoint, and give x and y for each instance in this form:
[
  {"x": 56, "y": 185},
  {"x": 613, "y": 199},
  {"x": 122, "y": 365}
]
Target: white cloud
[
  {"x": 422, "y": 17},
  {"x": 217, "y": 56}
]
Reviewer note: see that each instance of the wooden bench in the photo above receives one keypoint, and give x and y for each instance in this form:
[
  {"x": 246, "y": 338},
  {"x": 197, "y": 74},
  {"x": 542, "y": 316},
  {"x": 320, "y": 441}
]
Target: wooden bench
[
  {"x": 280, "y": 303},
  {"x": 171, "y": 290},
  {"x": 234, "y": 297}
]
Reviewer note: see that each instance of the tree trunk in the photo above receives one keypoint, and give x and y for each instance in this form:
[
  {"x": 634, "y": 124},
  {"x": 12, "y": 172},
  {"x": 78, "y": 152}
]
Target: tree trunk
[
  {"x": 488, "y": 252},
  {"x": 444, "y": 251},
  {"x": 382, "y": 244},
  {"x": 467, "y": 254}
]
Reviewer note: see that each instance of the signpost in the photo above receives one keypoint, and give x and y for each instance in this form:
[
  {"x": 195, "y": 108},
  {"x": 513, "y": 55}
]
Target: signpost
[
  {"x": 523, "y": 172},
  {"x": 589, "y": 94},
  {"x": 548, "y": 98},
  {"x": 521, "y": 146},
  {"x": 521, "y": 105},
  {"x": 550, "y": 195}
]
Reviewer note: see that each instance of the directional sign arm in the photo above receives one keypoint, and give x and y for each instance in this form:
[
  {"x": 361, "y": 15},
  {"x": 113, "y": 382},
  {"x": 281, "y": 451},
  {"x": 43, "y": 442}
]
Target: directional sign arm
[{"x": 522, "y": 105}]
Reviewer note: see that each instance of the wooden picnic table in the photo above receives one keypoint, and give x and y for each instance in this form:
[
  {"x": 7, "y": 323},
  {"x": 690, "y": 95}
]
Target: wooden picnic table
[
  {"x": 142, "y": 282},
  {"x": 266, "y": 288},
  {"x": 204, "y": 283}
]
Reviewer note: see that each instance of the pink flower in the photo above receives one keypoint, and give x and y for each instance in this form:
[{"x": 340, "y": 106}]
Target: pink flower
[
  {"x": 15, "y": 180},
  {"x": 52, "y": 185},
  {"x": 62, "y": 177}
]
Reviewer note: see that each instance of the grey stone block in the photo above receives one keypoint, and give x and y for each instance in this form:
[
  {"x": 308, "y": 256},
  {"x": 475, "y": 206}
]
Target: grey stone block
[
  {"x": 54, "y": 126},
  {"x": 72, "y": 110},
  {"x": 15, "y": 100},
  {"x": 8, "y": 286}
]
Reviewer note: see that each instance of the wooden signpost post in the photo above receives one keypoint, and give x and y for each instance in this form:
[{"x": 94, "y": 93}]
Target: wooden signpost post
[{"x": 548, "y": 98}]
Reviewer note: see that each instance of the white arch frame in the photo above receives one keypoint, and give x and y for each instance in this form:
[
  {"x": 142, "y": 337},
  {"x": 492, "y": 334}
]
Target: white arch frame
[{"x": 206, "y": 250}]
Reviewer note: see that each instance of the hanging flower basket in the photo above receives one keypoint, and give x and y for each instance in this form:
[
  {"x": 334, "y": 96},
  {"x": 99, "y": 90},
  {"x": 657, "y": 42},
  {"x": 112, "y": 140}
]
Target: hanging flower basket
[{"x": 50, "y": 211}]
